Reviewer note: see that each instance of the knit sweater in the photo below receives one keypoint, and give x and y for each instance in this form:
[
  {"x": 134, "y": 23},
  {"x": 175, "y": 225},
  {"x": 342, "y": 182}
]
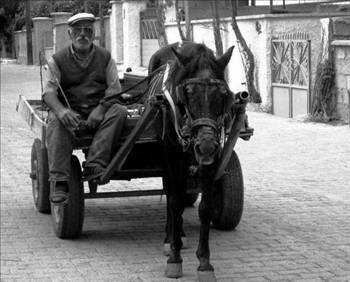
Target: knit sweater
[{"x": 84, "y": 87}]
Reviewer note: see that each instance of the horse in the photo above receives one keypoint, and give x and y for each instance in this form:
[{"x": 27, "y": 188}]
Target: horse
[{"x": 189, "y": 126}]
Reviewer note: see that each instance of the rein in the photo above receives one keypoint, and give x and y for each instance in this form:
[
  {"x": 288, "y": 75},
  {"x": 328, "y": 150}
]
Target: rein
[
  {"x": 183, "y": 141},
  {"x": 137, "y": 97}
]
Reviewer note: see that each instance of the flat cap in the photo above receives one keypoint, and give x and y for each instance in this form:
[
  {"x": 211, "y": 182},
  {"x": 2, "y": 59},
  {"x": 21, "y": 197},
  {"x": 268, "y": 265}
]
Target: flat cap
[{"x": 80, "y": 17}]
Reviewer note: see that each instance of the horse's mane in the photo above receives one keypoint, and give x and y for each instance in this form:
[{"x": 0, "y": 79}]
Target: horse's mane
[{"x": 194, "y": 57}]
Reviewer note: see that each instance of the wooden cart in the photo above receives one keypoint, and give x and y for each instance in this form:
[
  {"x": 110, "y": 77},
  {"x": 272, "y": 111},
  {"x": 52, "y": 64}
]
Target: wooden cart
[{"x": 138, "y": 156}]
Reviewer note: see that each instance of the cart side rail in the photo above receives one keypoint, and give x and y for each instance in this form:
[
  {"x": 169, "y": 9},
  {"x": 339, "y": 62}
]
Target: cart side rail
[{"x": 25, "y": 109}]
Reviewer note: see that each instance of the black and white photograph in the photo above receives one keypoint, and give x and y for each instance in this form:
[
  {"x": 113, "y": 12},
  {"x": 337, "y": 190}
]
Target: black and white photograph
[{"x": 175, "y": 140}]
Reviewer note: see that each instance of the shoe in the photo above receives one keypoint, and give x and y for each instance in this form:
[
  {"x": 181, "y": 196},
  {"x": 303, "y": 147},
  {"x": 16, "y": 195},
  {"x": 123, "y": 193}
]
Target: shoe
[
  {"x": 92, "y": 173},
  {"x": 59, "y": 195}
]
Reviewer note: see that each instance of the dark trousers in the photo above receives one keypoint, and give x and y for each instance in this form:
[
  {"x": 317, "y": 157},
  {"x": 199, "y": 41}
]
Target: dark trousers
[{"x": 60, "y": 143}]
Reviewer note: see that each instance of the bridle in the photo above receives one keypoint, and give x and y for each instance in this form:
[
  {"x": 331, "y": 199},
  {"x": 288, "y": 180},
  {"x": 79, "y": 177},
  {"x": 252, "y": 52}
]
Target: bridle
[{"x": 204, "y": 119}]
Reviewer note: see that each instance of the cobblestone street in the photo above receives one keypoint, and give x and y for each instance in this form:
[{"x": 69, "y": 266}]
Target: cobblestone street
[{"x": 295, "y": 224}]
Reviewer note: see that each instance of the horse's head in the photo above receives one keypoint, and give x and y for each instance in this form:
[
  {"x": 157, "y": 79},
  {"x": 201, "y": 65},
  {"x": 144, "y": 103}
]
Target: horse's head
[{"x": 203, "y": 95}]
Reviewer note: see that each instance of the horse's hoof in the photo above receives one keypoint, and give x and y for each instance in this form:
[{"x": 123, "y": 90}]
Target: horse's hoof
[
  {"x": 206, "y": 276},
  {"x": 173, "y": 270},
  {"x": 166, "y": 249},
  {"x": 185, "y": 244}
]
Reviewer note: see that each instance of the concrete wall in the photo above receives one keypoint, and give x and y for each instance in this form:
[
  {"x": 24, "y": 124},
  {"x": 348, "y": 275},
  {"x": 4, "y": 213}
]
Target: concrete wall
[
  {"x": 61, "y": 38},
  {"x": 131, "y": 32},
  {"x": 97, "y": 27},
  {"x": 43, "y": 37},
  {"x": 341, "y": 45},
  {"x": 342, "y": 77},
  {"x": 116, "y": 31},
  {"x": 21, "y": 46},
  {"x": 259, "y": 41}
]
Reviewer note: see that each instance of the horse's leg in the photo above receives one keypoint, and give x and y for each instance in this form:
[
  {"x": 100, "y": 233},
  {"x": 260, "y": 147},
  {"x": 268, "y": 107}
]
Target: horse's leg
[
  {"x": 174, "y": 262},
  {"x": 166, "y": 248},
  {"x": 175, "y": 208},
  {"x": 205, "y": 269}
]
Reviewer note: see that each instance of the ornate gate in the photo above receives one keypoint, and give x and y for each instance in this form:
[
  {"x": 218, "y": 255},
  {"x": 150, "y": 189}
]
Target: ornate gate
[
  {"x": 149, "y": 35},
  {"x": 291, "y": 74}
]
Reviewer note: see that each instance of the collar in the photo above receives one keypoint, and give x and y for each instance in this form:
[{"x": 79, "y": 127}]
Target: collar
[{"x": 80, "y": 59}]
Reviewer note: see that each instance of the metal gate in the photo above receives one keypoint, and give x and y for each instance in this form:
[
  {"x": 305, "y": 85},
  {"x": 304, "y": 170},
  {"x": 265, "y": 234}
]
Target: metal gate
[
  {"x": 290, "y": 72},
  {"x": 149, "y": 36}
]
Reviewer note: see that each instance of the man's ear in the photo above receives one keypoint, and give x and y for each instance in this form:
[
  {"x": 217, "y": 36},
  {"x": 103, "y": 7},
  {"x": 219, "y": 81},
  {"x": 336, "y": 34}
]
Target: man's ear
[{"x": 70, "y": 33}]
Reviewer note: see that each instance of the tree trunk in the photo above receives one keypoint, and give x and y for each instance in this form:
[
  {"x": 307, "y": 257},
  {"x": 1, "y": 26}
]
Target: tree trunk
[
  {"x": 247, "y": 58},
  {"x": 3, "y": 48},
  {"x": 178, "y": 21},
  {"x": 271, "y": 6},
  {"x": 188, "y": 21},
  {"x": 29, "y": 34},
  {"x": 162, "y": 37},
  {"x": 216, "y": 28}
]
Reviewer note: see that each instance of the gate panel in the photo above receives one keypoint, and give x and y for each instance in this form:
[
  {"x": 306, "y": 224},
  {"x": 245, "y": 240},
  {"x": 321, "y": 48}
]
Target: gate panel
[
  {"x": 290, "y": 69},
  {"x": 299, "y": 102},
  {"x": 281, "y": 103},
  {"x": 149, "y": 39}
]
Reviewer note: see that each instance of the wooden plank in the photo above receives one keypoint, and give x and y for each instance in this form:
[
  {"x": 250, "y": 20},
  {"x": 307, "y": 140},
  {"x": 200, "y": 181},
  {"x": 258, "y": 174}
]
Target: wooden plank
[
  {"x": 119, "y": 194},
  {"x": 25, "y": 109}
]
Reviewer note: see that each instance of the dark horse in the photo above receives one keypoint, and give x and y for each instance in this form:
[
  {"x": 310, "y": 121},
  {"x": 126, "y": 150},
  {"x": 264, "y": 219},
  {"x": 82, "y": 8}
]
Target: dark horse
[{"x": 189, "y": 128}]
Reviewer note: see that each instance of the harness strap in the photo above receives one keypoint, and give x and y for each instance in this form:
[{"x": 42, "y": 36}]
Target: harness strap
[
  {"x": 172, "y": 105},
  {"x": 150, "y": 76},
  {"x": 205, "y": 122}
]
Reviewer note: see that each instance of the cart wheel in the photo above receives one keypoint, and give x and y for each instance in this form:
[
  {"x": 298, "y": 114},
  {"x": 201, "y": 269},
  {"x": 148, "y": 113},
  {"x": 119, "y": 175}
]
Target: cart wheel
[
  {"x": 40, "y": 177},
  {"x": 229, "y": 196},
  {"x": 68, "y": 218}
]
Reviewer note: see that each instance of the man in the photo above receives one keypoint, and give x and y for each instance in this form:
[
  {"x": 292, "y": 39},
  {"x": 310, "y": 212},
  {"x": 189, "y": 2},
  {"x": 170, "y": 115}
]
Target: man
[{"x": 79, "y": 77}]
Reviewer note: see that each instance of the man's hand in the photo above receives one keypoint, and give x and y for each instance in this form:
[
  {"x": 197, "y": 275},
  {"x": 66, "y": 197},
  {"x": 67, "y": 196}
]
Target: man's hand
[
  {"x": 96, "y": 117},
  {"x": 69, "y": 119}
]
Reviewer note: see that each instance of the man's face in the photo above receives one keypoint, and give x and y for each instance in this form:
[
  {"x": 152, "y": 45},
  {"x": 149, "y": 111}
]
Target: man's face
[{"x": 82, "y": 35}]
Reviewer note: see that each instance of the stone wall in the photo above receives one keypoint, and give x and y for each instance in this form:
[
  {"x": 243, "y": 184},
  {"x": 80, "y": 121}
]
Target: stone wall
[
  {"x": 49, "y": 35},
  {"x": 342, "y": 77}
]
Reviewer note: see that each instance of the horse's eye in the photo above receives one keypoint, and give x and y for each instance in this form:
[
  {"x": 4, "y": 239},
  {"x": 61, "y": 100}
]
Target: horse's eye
[{"x": 222, "y": 89}]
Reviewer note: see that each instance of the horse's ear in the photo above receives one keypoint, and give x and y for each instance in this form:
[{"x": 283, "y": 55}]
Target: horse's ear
[
  {"x": 225, "y": 58},
  {"x": 178, "y": 56}
]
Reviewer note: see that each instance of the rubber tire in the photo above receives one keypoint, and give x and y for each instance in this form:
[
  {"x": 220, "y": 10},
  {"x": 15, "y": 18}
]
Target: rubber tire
[
  {"x": 40, "y": 177},
  {"x": 68, "y": 219},
  {"x": 229, "y": 196}
]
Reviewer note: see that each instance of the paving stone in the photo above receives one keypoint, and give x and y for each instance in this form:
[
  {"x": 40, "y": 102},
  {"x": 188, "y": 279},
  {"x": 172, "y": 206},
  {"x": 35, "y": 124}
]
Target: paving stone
[{"x": 295, "y": 224}]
